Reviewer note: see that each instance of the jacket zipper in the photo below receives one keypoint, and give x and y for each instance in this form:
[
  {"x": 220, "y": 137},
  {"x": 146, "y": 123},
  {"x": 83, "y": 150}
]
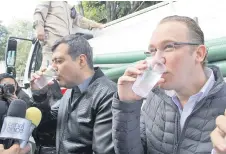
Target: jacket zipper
[
  {"x": 188, "y": 119},
  {"x": 178, "y": 132},
  {"x": 196, "y": 108}
]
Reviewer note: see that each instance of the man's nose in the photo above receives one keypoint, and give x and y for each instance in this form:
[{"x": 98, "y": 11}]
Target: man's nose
[
  {"x": 160, "y": 57},
  {"x": 54, "y": 66},
  {"x": 163, "y": 60}
]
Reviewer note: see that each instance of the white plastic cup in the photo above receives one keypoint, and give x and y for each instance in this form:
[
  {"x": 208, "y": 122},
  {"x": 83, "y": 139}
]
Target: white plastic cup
[
  {"x": 48, "y": 75},
  {"x": 146, "y": 82}
]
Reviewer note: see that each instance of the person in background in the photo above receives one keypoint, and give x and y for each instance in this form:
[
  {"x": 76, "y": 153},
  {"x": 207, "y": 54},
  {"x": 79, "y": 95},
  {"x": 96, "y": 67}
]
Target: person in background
[
  {"x": 13, "y": 91},
  {"x": 45, "y": 133},
  {"x": 55, "y": 19},
  {"x": 17, "y": 92}
]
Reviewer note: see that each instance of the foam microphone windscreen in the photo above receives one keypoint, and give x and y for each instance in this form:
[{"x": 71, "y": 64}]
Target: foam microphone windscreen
[
  {"x": 34, "y": 115},
  {"x": 17, "y": 108},
  {"x": 3, "y": 111},
  {"x": 3, "y": 108}
]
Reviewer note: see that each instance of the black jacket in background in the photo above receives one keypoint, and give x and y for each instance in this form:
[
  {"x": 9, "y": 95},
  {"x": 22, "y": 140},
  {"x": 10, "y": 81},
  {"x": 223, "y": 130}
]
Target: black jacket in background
[
  {"x": 25, "y": 97},
  {"x": 45, "y": 133}
]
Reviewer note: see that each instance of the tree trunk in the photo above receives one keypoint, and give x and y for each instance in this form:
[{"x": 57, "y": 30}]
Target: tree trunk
[
  {"x": 111, "y": 10},
  {"x": 81, "y": 10},
  {"x": 134, "y": 5},
  {"x": 108, "y": 8}
]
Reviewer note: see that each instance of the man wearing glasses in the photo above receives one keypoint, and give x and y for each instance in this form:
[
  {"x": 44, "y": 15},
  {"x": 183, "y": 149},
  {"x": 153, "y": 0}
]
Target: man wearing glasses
[{"x": 180, "y": 112}]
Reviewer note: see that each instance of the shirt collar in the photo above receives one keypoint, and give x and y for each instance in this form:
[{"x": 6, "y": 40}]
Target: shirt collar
[
  {"x": 209, "y": 83},
  {"x": 83, "y": 86},
  {"x": 204, "y": 90}
]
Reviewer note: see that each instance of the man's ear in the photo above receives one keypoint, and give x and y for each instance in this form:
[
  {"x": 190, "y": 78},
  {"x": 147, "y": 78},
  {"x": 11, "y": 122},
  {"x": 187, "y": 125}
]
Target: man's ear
[
  {"x": 201, "y": 53},
  {"x": 82, "y": 60}
]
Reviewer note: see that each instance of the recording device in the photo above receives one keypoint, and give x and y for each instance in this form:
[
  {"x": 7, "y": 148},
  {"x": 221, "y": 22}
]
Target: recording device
[
  {"x": 7, "y": 89},
  {"x": 15, "y": 126}
]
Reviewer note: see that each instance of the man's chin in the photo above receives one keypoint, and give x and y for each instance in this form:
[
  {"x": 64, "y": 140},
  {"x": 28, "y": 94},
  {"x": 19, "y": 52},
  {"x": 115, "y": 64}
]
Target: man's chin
[
  {"x": 164, "y": 86},
  {"x": 68, "y": 86},
  {"x": 61, "y": 84}
]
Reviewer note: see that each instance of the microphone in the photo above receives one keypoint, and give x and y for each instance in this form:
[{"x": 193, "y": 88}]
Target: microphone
[
  {"x": 34, "y": 115},
  {"x": 14, "y": 125},
  {"x": 3, "y": 111},
  {"x": 18, "y": 128}
]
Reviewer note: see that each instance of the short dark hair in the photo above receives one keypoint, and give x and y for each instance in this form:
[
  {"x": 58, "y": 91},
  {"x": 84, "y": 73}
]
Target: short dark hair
[
  {"x": 7, "y": 75},
  {"x": 195, "y": 33},
  {"x": 77, "y": 45}
]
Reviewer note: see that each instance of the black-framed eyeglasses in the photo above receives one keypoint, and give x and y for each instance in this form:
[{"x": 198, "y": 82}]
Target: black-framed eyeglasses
[{"x": 169, "y": 47}]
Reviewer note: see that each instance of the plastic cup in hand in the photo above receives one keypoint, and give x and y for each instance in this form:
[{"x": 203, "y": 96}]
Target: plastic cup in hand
[
  {"x": 146, "y": 82},
  {"x": 48, "y": 75}
]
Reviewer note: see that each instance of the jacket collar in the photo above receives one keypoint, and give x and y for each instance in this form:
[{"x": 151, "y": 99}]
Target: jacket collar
[
  {"x": 98, "y": 73},
  {"x": 84, "y": 86}
]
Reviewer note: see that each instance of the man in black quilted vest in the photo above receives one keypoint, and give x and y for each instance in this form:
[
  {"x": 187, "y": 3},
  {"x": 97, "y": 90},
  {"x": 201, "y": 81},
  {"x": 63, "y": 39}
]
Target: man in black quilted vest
[{"x": 179, "y": 113}]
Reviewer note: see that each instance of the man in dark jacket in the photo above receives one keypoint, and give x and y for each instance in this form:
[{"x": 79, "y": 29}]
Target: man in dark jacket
[
  {"x": 180, "y": 113},
  {"x": 84, "y": 118}
]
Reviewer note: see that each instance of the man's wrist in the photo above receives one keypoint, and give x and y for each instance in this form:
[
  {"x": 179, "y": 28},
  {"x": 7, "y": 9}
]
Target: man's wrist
[
  {"x": 117, "y": 97},
  {"x": 37, "y": 24}
]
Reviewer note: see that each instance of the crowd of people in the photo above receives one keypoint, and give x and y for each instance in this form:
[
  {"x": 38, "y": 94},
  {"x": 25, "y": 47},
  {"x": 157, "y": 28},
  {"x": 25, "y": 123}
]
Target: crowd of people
[{"x": 184, "y": 113}]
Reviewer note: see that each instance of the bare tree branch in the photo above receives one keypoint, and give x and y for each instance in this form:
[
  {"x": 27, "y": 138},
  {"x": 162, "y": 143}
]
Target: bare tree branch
[
  {"x": 139, "y": 6},
  {"x": 134, "y": 5},
  {"x": 108, "y": 8}
]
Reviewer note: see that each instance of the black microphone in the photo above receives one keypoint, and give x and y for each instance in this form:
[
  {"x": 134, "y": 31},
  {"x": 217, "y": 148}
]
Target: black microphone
[
  {"x": 3, "y": 111},
  {"x": 15, "y": 126},
  {"x": 17, "y": 108}
]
